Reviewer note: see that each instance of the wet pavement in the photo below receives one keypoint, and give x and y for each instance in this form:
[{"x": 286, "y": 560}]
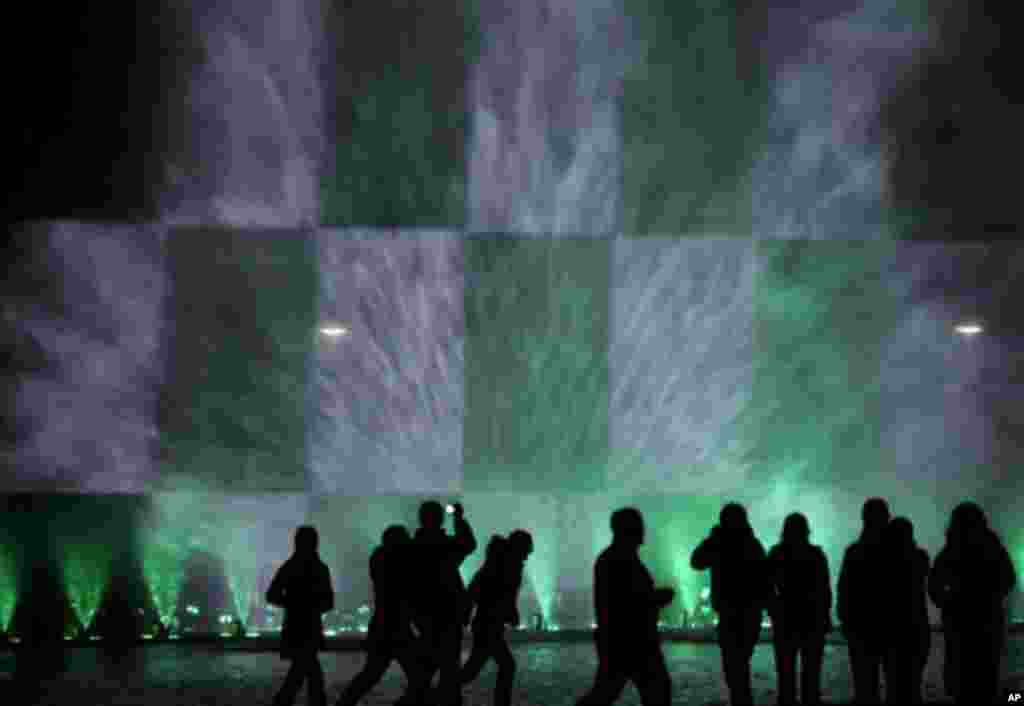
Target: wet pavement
[{"x": 548, "y": 674}]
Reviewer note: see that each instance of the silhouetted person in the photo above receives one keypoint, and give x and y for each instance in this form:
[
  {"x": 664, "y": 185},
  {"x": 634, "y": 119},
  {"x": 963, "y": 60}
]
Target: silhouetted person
[
  {"x": 40, "y": 655},
  {"x": 906, "y": 578},
  {"x": 390, "y": 636},
  {"x": 495, "y": 591},
  {"x": 440, "y": 601},
  {"x": 862, "y": 594},
  {"x": 121, "y": 620},
  {"x": 627, "y": 606},
  {"x": 739, "y": 594},
  {"x": 969, "y": 582},
  {"x": 302, "y": 586},
  {"x": 800, "y": 607}
]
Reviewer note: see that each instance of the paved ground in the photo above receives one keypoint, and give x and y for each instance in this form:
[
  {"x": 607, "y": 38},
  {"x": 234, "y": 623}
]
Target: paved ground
[{"x": 549, "y": 675}]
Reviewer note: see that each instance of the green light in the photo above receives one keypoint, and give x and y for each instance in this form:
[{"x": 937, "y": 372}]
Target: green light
[
  {"x": 86, "y": 569},
  {"x": 163, "y": 568},
  {"x": 8, "y": 589}
]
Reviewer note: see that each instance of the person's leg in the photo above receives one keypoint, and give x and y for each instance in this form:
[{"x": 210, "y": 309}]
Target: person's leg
[
  {"x": 896, "y": 666},
  {"x": 315, "y": 675},
  {"x": 369, "y": 676},
  {"x": 506, "y": 670},
  {"x": 414, "y": 660},
  {"x": 812, "y": 656},
  {"x": 864, "y": 671},
  {"x": 479, "y": 655},
  {"x": 738, "y": 636},
  {"x": 653, "y": 681},
  {"x": 729, "y": 643},
  {"x": 292, "y": 682},
  {"x": 919, "y": 664},
  {"x": 428, "y": 648},
  {"x": 873, "y": 656},
  {"x": 785, "y": 669},
  {"x": 980, "y": 665},
  {"x": 608, "y": 686},
  {"x": 450, "y": 656}
]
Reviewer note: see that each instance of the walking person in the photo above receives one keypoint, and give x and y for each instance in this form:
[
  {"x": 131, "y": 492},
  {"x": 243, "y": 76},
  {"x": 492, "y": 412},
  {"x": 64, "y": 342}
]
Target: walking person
[
  {"x": 302, "y": 586},
  {"x": 739, "y": 594},
  {"x": 440, "y": 602},
  {"x": 390, "y": 636},
  {"x": 495, "y": 591},
  {"x": 627, "y": 604},
  {"x": 800, "y": 606}
]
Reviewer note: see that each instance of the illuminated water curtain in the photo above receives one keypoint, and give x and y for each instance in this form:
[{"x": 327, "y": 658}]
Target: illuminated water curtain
[{"x": 86, "y": 575}]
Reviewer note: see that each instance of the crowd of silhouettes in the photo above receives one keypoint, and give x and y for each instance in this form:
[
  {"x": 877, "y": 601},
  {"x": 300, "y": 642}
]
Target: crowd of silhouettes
[
  {"x": 422, "y": 609},
  {"x": 883, "y": 587}
]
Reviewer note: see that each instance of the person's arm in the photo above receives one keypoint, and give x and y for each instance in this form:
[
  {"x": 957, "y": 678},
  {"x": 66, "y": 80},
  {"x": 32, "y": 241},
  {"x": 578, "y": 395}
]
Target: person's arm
[
  {"x": 762, "y": 574},
  {"x": 510, "y": 581},
  {"x": 663, "y": 597},
  {"x": 843, "y": 599},
  {"x": 706, "y": 554},
  {"x": 1007, "y": 574},
  {"x": 325, "y": 591},
  {"x": 773, "y": 569},
  {"x": 276, "y": 592},
  {"x": 465, "y": 542},
  {"x": 938, "y": 581},
  {"x": 601, "y": 607},
  {"x": 826, "y": 581}
]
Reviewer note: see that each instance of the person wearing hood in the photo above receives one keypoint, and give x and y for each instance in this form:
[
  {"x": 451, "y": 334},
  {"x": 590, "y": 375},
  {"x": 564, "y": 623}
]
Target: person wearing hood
[
  {"x": 861, "y": 593},
  {"x": 739, "y": 594},
  {"x": 969, "y": 582},
  {"x": 302, "y": 586},
  {"x": 800, "y": 606},
  {"x": 441, "y": 603},
  {"x": 495, "y": 591}
]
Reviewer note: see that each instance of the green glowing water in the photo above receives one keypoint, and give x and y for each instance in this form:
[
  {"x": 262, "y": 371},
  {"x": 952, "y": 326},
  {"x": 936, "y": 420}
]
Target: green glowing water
[
  {"x": 163, "y": 568},
  {"x": 8, "y": 588},
  {"x": 86, "y": 573}
]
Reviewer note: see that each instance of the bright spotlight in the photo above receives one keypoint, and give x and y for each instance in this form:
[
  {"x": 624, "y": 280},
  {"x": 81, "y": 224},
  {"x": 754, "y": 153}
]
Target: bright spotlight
[
  {"x": 968, "y": 329},
  {"x": 334, "y": 331}
]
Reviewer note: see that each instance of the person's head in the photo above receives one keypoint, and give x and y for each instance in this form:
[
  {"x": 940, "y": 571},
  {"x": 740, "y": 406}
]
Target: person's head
[
  {"x": 795, "y": 529},
  {"x": 431, "y": 515},
  {"x": 520, "y": 543},
  {"x": 495, "y": 547},
  {"x": 968, "y": 519},
  {"x": 306, "y": 539},
  {"x": 733, "y": 517},
  {"x": 875, "y": 514},
  {"x": 628, "y": 526},
  {"x": 395, "y": 535},
  {"x": 900, "y": 532}
]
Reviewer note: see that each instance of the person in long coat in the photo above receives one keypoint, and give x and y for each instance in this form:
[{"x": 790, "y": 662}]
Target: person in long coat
[
  {"x": 969, "y": 582},
  {"x": 800, "y": 606}
]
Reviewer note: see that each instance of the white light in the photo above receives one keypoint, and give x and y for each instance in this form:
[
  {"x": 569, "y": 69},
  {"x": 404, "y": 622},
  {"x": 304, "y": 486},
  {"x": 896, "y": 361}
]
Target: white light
[
  {"x": 334, "y": 331},
  {"x": 968, "y": 329}
]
